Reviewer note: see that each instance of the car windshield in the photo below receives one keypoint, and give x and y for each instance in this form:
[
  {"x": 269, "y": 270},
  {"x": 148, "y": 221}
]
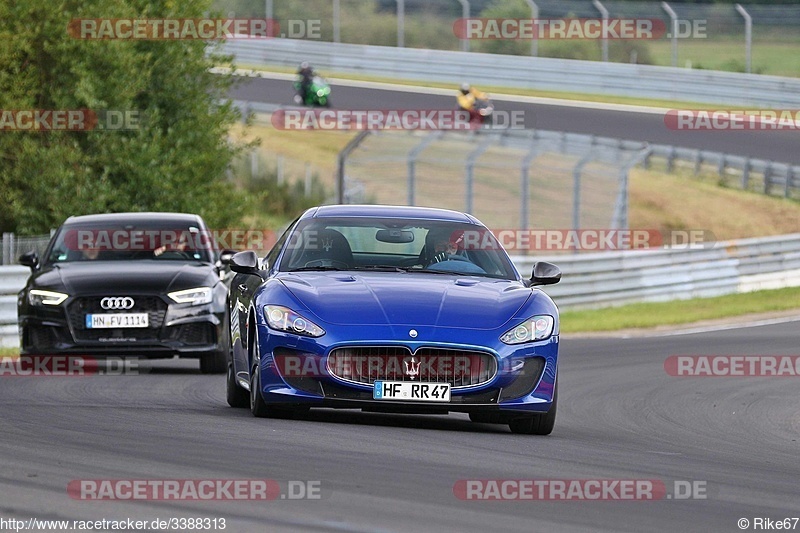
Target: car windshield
[
  {"x": 394, "y": 245},
  {"x": 112, "y": 241}
]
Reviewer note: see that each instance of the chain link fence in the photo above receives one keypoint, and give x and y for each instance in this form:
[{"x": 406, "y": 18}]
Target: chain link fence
[
  {"x": 512, "y": 180},
  {"x": 758, "y": 38}
]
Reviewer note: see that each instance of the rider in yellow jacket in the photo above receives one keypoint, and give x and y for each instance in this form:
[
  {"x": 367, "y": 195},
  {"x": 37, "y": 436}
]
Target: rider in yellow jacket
[{"x": 468, "y": 95}]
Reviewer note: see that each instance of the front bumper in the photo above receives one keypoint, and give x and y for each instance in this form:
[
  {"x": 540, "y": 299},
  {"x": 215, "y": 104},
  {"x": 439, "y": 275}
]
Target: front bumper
[
  {"x": 524, "y": 380},
  {"x": 180, "y": 330}
]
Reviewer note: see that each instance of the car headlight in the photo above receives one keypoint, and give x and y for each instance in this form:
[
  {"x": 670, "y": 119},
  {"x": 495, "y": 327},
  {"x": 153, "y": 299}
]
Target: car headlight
[
  {"x": 536, "y": 328},
  {"x": 196, "y": 296},
  {"x": 284, "y": 319},
  {"x": 41, "y": 297}
]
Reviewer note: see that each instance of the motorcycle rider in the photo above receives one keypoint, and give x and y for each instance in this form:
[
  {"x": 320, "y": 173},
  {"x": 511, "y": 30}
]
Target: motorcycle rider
[
  {"x": 306, "y": 74},
  {"x": 468, "y": 95}
]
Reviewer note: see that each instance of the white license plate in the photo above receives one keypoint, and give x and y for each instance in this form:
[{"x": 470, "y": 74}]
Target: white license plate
[
  {"x": 117, "y": 320},
  {"x": 410, "y": 391}
]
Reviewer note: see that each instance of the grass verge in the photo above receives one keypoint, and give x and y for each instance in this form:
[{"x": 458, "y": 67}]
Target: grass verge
[
  {"x": 9, "y": 352},
  {"x": 494, "y": 89},
  {"x": 651, "y": 315}
]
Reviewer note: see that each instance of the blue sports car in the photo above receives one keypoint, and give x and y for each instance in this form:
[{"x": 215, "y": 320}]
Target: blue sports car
[{"x": 393, "y": 309}]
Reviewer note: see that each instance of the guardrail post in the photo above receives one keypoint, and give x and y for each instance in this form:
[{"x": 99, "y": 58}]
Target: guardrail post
[
  {"x": 698, "y": 160},
  {"x": 8, "y": 249},
  {"x": 401, "y": 25},
  {"x": 465, "y": 15},
  {"x": 671, "y": 159},
  {"x": 787, "y": 186},
  {"x": 767, "y": 177},
  {"x": 342, "y": 160},
  {"x": 674, "y": 21},
  {"x": 721, "y": 166},
  {"x": 746, "y": 174},
  {"x": 604, "y": 14},
  {"x": 535, "y": 39},
  {"x": 748, "y": 36}
]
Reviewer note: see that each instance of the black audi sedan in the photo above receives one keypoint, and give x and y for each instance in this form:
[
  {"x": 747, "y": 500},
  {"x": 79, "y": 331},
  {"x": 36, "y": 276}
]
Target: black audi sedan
[{"x": 147, "y": 285}]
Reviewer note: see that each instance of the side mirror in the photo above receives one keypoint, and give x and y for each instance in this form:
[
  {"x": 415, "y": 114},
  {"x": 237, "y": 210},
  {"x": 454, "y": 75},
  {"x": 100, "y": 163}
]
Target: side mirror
[
  {"x": 545, "y": 273},
  {"x": 225, "y": 256},
  {"x": 245, "y": 263},
  {"x": 30, "y": 259}
]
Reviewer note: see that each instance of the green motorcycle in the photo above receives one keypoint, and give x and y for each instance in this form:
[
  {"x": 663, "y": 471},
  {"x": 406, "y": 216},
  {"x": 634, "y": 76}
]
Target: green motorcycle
[{"x": 318, "y": 94}]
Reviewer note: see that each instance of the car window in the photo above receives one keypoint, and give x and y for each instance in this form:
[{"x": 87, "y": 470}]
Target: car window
[
  {"x": 416, "y": 245},
  {"x": 164, "y": 241}
]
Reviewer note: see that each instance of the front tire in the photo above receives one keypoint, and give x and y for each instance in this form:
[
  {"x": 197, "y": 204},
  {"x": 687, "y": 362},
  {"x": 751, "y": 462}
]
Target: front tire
[
  {"x": 236, "y": 396},
  {"x": 257, "y": 404},
  {"x": 539, "y": 424}
]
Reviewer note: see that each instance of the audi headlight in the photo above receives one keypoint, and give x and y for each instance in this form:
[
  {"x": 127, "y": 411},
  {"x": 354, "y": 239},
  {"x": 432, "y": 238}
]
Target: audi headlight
[
  {"x": 197, "y": 296},
  {"x": 40, "y": 297},
  {"x": 284, "y": 319},
  {"x": 537, "y": 328}
]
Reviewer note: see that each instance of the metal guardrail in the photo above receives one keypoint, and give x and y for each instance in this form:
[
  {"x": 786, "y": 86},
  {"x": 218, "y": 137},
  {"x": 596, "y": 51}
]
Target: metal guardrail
[
  {"x": 12, "y": 279},
  {"x": 616, "y": 278},
  {"x": 617, "y": 79},
  {"x": 601, "y": 279}
]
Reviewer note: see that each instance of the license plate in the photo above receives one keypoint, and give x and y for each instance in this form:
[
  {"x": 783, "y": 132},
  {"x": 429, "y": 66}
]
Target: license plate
[
  {"x": 117, "y": 320},
  {"x": 410, "y": 391}
]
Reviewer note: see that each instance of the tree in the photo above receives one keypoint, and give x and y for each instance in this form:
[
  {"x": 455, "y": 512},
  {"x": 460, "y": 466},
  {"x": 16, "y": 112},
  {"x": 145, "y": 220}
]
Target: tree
[{"x": 177, "y": 158}]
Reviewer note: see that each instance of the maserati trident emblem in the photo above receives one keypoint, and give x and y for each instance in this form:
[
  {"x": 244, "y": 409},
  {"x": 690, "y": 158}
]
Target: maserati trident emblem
[
  {"x": 116, "y": 302},
  {"x": 327, "y": 244},
  {"x": 412, "y": 368}
]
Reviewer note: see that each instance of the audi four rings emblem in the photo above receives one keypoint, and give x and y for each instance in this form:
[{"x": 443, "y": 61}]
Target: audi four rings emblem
[{"x": 116, "y": 302}]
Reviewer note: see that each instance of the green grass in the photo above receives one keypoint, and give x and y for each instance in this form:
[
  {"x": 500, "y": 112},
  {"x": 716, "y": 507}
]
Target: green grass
[
  {"x": 9, "y": 352},
  {"x": 650, "y": 315}
]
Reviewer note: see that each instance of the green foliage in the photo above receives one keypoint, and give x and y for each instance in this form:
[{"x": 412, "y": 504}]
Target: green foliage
[{"x": 175, "y": 161}]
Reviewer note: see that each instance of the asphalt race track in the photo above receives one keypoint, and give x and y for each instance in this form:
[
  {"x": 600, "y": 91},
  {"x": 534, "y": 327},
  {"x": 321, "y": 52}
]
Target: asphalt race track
[
  {"x": 779, "y": 146},
  {"x": 620, "y": 417}
]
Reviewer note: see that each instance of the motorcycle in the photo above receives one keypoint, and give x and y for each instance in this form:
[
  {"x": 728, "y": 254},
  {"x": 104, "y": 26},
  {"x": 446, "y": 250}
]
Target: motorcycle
[
  {"x": 481, "y": 111},
  {"x": 318, "y": 94}
]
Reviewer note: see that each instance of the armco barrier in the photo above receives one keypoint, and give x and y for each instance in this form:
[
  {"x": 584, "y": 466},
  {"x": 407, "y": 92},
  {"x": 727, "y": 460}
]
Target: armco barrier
[
  {"x": 12, "y": 279},
  {"x": 602, "y": 279},
  {"x": 548, "y": 74},
  {"x": 615, "y": 278}
]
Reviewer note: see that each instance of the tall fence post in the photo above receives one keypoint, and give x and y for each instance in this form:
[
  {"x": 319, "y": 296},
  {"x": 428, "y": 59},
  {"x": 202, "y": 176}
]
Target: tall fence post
[
  {"x": 470, "y": 169},
  {"x": 8, "y": 239},
  {"x": 412, "y": 163},
  {"x": 604, "y": 14},
  {"x": 576, "y": 189},
  {"x": 748, "y": 36},
  {"x": 337, "y": 26},
  {"x": 535, "y": 38},
  {"x": 674, "y": 23},
  {"x": 401, "y": 23},
  {"x": 465, "y": 15},
  {"x": 341, "y": 161}
]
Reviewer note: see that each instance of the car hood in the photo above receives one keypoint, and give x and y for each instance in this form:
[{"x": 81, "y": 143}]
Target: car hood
[
  {"x": 413, "y": 299},
  {"x": 100, "y": 277}
]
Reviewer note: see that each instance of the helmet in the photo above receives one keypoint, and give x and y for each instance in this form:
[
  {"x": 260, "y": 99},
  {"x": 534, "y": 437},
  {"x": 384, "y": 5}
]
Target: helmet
[
  {"x": 465, "y": 88},
  {"x": 304, "y": 65}
]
